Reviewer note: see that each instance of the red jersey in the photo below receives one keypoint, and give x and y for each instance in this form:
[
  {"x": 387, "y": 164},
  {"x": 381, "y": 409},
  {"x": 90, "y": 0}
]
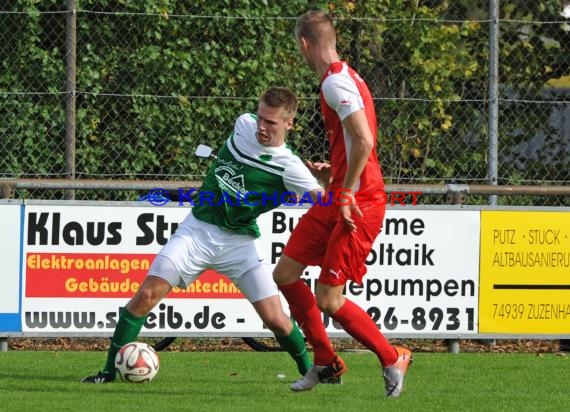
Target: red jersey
[{"x": 344, "y": 92}]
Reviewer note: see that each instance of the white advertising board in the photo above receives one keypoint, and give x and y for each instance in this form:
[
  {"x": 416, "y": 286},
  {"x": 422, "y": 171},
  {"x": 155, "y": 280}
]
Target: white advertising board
[
  {"x": 81, "y": 264},
  {"x": 423, "y": 270}
]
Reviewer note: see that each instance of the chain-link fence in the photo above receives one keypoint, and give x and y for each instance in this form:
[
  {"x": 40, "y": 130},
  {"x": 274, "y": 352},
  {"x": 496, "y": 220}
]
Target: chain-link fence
[{"x": 111, "y": 90}]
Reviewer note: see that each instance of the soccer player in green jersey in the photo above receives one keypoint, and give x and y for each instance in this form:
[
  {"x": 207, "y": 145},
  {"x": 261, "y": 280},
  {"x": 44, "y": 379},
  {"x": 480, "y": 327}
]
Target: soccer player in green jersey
[{"x": 253, "y": 173}]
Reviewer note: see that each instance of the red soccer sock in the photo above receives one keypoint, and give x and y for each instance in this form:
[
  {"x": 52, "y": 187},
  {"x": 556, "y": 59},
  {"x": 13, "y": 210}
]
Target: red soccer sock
[
  {"x": 303, "y": 307},
  {"x": 358, "y": 324}
]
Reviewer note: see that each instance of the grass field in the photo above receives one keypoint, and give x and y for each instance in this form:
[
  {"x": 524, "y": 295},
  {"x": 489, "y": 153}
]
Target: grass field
[{"x": 248, "y": 381}]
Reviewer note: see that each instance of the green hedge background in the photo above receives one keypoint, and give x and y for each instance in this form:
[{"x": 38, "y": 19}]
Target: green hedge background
[{"x": 155, "y": 78}]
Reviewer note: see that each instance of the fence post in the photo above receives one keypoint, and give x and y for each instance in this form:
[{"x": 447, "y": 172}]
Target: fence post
[
  {"x": 6, "y": 190},
  {"x": 70, "y": 99},
  {"x": 493, "y": 154},
  {"x": 492, "y": 167}
]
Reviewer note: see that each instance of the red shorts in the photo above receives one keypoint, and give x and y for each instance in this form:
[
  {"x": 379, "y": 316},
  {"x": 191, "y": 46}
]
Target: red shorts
[{"x": 321, "y": 238}]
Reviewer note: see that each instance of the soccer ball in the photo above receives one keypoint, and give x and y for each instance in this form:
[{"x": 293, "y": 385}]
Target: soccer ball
[{"x": 136, "y": 362}]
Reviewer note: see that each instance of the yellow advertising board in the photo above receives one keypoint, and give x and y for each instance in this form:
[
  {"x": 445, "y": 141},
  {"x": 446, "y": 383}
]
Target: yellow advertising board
[{"x": 525, "y": 272}]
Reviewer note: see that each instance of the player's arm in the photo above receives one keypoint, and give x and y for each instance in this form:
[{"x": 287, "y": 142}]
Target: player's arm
[
  {"x": 361, "y": 145},
  {"x": 342, "y": 95}
]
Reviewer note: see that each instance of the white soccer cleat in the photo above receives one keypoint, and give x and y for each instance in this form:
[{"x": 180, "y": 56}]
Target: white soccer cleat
[
  {"x": 320, "y": 374},
  {"x": 394, "y": 374},
  {"x": 308, "y": 381}
]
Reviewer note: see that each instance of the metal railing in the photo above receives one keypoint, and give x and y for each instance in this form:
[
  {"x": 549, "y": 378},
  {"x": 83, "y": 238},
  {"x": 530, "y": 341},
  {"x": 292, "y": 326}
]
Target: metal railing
[{"x": 9, "y": 186}]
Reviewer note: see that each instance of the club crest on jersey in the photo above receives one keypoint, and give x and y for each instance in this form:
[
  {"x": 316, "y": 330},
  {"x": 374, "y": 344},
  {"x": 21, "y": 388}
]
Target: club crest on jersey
[{"x": 230, "y": 182}]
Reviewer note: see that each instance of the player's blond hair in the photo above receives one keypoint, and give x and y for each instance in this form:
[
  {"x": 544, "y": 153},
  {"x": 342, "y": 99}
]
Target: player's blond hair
[
  {"x": 317, "y": 27},
  {"x": 281, "y": 97}
]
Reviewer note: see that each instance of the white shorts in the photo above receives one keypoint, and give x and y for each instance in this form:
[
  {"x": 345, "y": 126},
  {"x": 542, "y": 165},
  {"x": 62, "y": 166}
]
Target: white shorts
[{"x": 197, "y": 246}]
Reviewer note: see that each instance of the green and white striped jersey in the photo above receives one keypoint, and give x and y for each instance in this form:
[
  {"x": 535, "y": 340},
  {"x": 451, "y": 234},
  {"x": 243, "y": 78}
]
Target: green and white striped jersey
[{"x": 248, "y": 179}]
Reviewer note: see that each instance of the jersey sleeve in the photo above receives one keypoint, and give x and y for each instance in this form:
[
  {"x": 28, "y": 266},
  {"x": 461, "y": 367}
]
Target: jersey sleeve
[
  {"x": 342, "y": 95},
  {"x": 298, "y": 178},
  {"x": 245, "y": 126}
]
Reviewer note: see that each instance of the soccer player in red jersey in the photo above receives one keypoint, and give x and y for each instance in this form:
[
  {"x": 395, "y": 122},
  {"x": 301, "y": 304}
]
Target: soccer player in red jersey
[{"x": 338, "y": 237}]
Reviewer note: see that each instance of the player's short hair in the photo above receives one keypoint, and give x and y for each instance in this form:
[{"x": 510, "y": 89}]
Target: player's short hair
[
  {"x": 281, "y": 97},
  {"x": 317, "y": 27}
]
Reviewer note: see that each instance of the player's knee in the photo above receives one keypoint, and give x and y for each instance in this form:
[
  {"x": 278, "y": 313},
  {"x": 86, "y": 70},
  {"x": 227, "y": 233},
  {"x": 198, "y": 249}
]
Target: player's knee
[
  {"x": 142, "y": 302},
  {"x": 278, "y": 324},
  {"x": 328, "y": 304},
  {"x": 325, "y": 306},
  {"x": 279, "y": 277},
  {"x": 287, "y": 271}
]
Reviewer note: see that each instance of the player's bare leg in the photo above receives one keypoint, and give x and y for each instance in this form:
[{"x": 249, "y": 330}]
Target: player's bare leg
[
  {"x": 285, "y": 330},
  {"x": 130, "y": 323}
]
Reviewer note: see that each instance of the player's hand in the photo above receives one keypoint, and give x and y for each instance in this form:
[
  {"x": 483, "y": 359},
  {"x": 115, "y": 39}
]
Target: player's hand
[
  {"x": 348, "y": 206},
  {"x": 321, "y": 170}
]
